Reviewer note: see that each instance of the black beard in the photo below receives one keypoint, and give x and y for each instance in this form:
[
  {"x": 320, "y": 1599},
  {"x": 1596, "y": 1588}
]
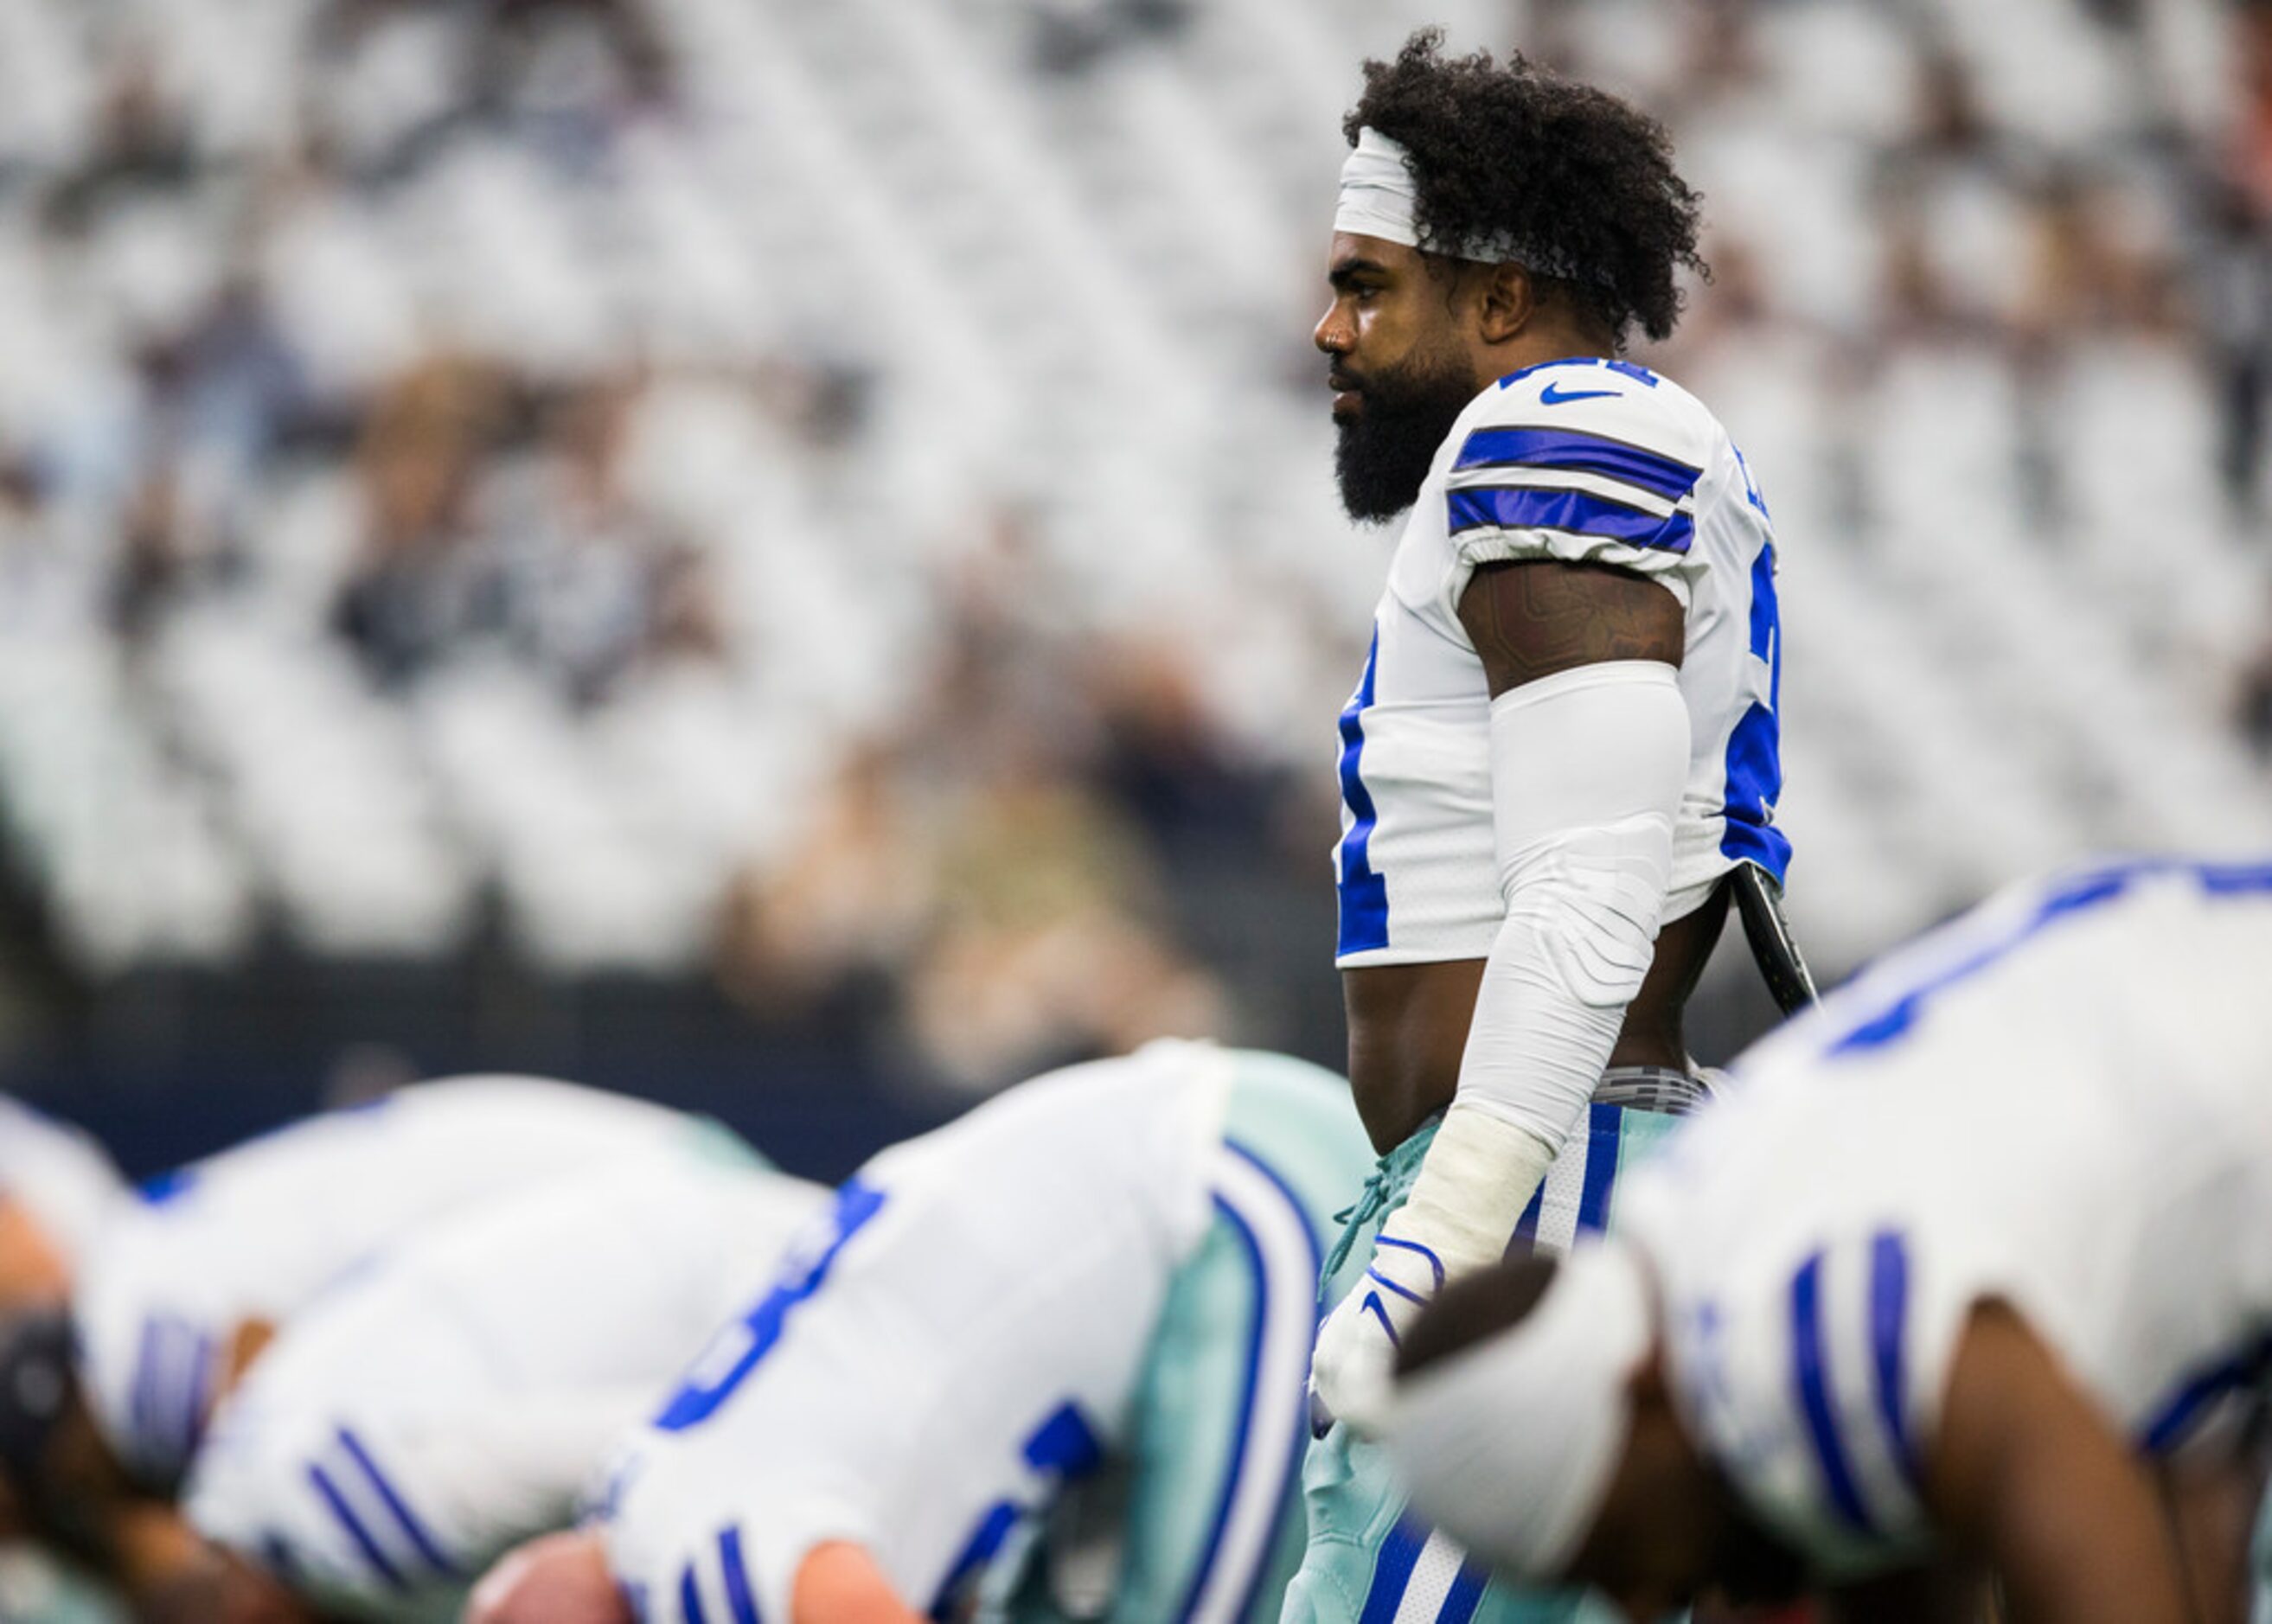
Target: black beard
[{"x": 1384, "y": 452}]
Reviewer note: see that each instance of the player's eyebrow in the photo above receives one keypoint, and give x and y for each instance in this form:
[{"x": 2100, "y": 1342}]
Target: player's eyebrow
[{"x": 1346, "y": 272}]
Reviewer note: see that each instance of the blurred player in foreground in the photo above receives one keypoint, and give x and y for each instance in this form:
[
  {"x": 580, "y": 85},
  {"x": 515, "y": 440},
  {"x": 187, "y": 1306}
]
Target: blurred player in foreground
[
  {"x": 459, "y": 1396},
  {"x": 56, "y": 1189},
  {"x": 1045, "y": 1363},
  {"x": 1565, "y": 734},
  {"x": 105, "y": 1400},
  {"x": 1964, "y": 1256}
]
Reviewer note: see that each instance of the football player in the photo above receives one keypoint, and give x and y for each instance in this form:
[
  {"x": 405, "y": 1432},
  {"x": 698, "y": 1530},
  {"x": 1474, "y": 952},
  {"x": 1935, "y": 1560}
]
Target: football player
[
  {"x": 1561, "y": 757},
  {"x": 458, "y": 1396},
  {"x": 57, "y": 1187},
  {"x": 1045, "y": 1363},
  {"x": 1966, "y": 1253},
  {"x": 105, "y": 1399}
]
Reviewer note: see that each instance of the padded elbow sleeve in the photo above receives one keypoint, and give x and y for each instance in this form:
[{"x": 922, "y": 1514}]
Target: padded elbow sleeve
[{"x": 1587, "y": 770}]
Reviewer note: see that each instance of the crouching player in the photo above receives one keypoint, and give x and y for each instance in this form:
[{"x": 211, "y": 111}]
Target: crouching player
[
  {"x": 458, "y": 1396},
  {"x": 104, "y": 1401},
  {"x": 57, "y": 1189},
  {"x": 1045, "y": 1363},
  {"x": 1969, "y": 1253}
]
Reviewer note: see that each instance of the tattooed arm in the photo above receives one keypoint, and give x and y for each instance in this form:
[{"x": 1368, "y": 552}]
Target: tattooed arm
[{"x": 1530, "y": 620}]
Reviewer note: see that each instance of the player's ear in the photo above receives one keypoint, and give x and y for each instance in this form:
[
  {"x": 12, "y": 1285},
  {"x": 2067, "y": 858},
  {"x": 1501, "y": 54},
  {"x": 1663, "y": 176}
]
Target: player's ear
[{"x": 1505, "y": 300}]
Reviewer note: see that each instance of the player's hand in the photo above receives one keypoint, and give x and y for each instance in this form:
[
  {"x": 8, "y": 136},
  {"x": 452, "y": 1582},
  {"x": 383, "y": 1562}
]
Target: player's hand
[
  {"x": 1477, "y": 1176},
  {"x": 1355, "y": 1357}
]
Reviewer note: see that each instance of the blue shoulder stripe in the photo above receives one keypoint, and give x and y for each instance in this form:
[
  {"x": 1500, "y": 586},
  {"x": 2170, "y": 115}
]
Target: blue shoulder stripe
[
  {"x": 430, "y": 1549},
  {"x": 328, "y": 1492},
  {"x": 2074, "y": 894},
  {"x": 1889, "y": 1303},
  {"x": 1516, "y": 507},
  {"x": 1579, "y": 453},
  {"x": 1812, "y": 1379},
  {"x": 739, "y": 1601},
  {"x": 699, "y": 1396}
]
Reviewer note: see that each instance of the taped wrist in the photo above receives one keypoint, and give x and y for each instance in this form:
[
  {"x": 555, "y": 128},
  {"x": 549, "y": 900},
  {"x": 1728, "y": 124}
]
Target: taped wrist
[
  {"x": 1477, "y": 1177},
  {"x": 1587, "y": 769}
]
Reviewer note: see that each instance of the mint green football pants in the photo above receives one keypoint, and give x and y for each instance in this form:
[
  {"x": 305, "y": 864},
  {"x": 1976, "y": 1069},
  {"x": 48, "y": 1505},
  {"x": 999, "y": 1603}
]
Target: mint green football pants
[{"x": 1368, "y": 1561}]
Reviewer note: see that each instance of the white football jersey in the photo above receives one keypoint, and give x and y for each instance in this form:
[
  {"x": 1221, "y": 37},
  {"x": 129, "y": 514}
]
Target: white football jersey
[
  {"x": 64, "y": 1178},
  {"x": 1581, "y": 461},
  {"x": 2063, "y": 1100},
  {"x": 256, "y": 1232},
  {"x": 459, "y": 1395},
  {"x": 969, "y": 1331}
]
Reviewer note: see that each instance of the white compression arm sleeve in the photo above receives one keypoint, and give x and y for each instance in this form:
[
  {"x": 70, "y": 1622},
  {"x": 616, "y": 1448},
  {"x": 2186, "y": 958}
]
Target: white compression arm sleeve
[{"x": 1587, "y": 767}]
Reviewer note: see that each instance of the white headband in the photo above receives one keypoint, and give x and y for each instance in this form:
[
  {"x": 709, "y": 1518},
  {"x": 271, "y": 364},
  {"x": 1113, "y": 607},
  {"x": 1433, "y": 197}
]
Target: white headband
[
  {"x": 1509, "y": 1445},
  {"x": 1378, "y": 199}
]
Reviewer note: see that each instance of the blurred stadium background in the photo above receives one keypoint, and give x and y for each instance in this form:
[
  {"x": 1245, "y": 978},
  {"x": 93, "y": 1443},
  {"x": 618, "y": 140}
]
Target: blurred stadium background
[{"x": 782, "y": 555}]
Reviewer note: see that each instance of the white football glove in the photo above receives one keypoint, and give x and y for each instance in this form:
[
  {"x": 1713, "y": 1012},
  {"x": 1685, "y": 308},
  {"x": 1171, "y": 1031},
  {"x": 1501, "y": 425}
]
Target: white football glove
[
  {"x": 1473, "y": 1186},
  {"x": 1355, "y": 1358}
]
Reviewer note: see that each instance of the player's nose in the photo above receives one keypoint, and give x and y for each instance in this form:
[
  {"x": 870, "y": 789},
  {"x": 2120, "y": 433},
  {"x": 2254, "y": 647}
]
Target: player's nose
[{"x": 1334, "y": 334}]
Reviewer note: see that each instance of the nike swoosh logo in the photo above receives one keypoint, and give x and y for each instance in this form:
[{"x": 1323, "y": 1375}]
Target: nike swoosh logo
[{"x": 1555, "y": 395}]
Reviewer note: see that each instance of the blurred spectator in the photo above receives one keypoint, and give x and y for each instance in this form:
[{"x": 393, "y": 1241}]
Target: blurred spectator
[
  {"x": 2236, "y": 274},
  {"x": 46, "y": 585},
  {"x": 422, "y": 588},
  {"x": 580, "y": 571},
  {"x": 1952, "y": 191},
  {"x": 1046, "y": 949},
  {"x": 362, "y": 1073},
  {"x": 2251, "y": 142},
  {"x": 141, "y": 139},
  {"x": 851, "y": 900},
  {"x": 2082, "y": 280},
  {"x": 1161, "y": 756}
]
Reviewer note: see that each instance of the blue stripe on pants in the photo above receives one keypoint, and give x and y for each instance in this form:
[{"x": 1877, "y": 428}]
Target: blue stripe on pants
[
  {"x": 1467, "y": 1593},
  {"x": 1393, "y": 1572},
  {"x": 1605, "y": 1126}
]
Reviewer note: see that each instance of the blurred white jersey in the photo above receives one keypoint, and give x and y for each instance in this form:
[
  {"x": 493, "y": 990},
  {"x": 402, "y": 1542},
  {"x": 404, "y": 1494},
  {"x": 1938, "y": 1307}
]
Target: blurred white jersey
[
  {"x": 256, "y": 1232},
  {"x": 2063, "y": 1100},
  {"x": 64, "y": 1178},
  {"x": 1585, "y": 462},
  {"x": 973, "y": 1327},
  {"x": 457, "y": 1396}
]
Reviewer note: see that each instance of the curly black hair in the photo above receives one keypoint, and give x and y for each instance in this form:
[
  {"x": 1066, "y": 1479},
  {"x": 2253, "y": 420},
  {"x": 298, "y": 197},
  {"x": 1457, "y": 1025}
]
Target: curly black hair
[{"x": 1581, "y": 182}]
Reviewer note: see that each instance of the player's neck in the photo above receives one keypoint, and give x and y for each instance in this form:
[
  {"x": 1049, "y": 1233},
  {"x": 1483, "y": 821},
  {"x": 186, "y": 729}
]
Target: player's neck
[{"x": 1540, "y": 342}]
